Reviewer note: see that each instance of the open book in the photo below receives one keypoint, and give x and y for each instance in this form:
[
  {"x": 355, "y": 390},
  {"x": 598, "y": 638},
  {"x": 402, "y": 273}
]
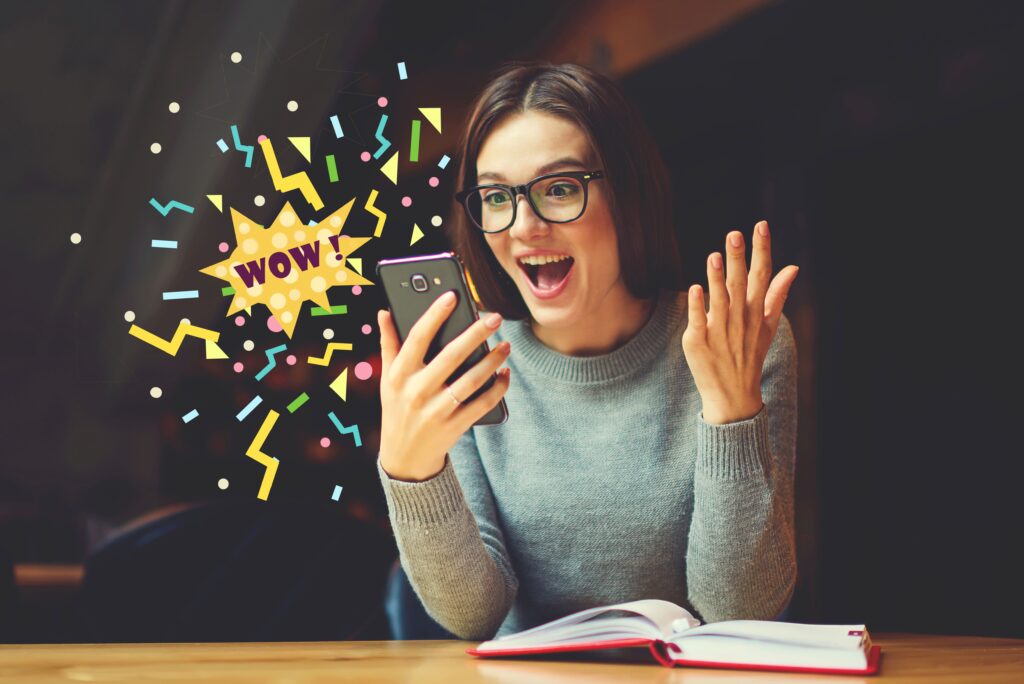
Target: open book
[{"x": 675, "y": 637}]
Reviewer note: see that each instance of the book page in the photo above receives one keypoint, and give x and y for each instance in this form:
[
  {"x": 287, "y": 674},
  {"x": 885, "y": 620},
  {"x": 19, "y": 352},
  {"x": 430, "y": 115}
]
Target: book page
[
  {"x": 654, "y": 619},
  {"x": 822, "y": 636}
]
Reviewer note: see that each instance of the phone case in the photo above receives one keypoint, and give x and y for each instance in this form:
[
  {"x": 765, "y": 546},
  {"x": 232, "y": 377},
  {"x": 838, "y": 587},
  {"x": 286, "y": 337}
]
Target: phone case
[{"x": 407, "y": 305}]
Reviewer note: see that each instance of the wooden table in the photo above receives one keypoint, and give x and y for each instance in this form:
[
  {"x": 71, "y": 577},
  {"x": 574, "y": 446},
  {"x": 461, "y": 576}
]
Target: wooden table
[{"x": 906, "y": 658}]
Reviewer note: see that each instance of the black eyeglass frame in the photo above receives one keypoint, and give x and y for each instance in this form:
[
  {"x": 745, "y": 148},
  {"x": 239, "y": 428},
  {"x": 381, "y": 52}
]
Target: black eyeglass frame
[{"x": 515, "y": 190}]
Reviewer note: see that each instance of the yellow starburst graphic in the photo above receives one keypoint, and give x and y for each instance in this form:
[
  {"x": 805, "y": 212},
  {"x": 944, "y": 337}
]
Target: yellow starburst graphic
[{"x": 284, "y": 265}]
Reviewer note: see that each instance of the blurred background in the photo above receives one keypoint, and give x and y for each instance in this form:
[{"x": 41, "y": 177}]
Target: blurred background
[{"x": 881, "y": 140}]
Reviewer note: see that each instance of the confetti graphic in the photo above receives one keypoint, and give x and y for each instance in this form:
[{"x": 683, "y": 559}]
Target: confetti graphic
[
  {"x": 402, "y": 74},
  {"x": 381, "y": 216},
  {"x": 181, "y": 294},
  {"x": 248, "y": 149},
  {"x": 271, "y": 361},
  {"x": 340, "y": 385},
  {"x": 390, "y": 168},
  {"x": 338, "y": 133},
  {"x": 332, "y": 169},
  {"x": 443, "y": 164},
  {"x": 298, "y": 402},
  {"x": 331, "y": 348},
  {"x": 384, "y": 142},
  {"x": 414, "y": 141},
  {"x": 244, "y": 413},
  {"x": 172, "y": 345},
  {"x": 255, "y": 452},
  {"x": 164, "y": 244},
  {"x": 337, "y": 493},
  {"x": 333, "y": 311},
  {"x": 190, "y": 416},
  {"x": 165, "y": 209},
  {"x": 297, "y": 181},
  {"x": 351, "y": 430}
]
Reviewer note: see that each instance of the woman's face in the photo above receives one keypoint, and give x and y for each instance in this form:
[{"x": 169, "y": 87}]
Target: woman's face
[{"x": 521, "y": 147}]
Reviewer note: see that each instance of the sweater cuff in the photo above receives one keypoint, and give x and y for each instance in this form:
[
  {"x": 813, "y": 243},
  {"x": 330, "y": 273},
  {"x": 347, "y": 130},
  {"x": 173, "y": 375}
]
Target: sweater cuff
[
  {"x": 428, "y": 502},
  {"x": 734, "y": 450}
]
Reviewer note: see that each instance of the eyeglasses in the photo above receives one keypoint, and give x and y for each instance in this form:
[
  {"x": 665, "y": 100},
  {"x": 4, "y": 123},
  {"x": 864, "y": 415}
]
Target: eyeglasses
[{"x": 555, "y": 197}]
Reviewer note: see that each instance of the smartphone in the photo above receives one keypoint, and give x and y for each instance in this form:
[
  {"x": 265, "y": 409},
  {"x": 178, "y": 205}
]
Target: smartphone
[{"x": 411, "y": 285}]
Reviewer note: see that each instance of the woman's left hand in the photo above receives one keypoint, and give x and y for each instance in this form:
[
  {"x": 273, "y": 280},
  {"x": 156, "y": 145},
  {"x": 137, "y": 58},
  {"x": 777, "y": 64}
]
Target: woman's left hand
[{"x": 726, "y": 346}]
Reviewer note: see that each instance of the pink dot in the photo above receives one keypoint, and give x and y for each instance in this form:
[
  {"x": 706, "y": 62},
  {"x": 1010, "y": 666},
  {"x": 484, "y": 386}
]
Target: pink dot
[
  {"x": 290, "y": 359},
  {"x": 364, "y": 370},
  {"x": 223, "y": 247},
  {"x": 325, "y": 442},
  {"x": 239, "y": 321},
  {"x": 357, "y": 290},
  {"x": 367, "y": 329},
  {"x": 365, "y": 156},
  {"x": 261, "y": 138},
  {"x": 274, "y": 325},
  {"x": 239, "y": 367},
  {"x": 382, "y": 102},
  {"x": 434, "y": 182},
  {"x": 407, "y": 201}
]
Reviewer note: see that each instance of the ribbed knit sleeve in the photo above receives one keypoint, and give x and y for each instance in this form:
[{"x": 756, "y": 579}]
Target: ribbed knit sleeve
[
  {"x": 741, "y": 557},
  {"x": 452, "y": 548}
]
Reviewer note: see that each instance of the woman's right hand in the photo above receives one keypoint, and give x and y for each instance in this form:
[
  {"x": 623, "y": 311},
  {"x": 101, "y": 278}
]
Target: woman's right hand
[{"x": 420, "y": 421}]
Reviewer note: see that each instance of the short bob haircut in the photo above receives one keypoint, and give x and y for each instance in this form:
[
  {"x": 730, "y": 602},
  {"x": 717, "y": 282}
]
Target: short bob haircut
[{"x": 636, "y": 180}]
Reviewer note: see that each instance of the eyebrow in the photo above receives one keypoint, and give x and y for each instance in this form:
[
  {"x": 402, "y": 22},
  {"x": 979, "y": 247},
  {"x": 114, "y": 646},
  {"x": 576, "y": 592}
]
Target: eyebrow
[{"x": 547, "y": 168}]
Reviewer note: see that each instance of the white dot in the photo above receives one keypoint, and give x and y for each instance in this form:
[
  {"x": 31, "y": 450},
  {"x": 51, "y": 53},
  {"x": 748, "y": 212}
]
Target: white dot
[
  {"x": 324, "y": 235},
  {"x": 174, "y": 108},
  {"x": 294, "y": 295},
  {"x": 223, "y": 483},
  {"x": 277, "y": 300},
  {"x": 129, "y": 316},
  {"x": 293, "y": 106},
  {"x": 335, "y": 221},
  {"x": 241, "y": 303},
  {"x": 243, "y": 227},
  {"x": 185, "y": 321},
  {"x": 286, "y": 317},
  {"x": 279, "y": 240},
  {"x": 328, "y": 334},
  {"x": 287, "y": 219},
  {"x": 300, "y": 235},
  {"x": 256, "y": 290},
  {"x": 155, "y": 148},
  {"x": 156, "y": 392},
  {"x": 248, "y": 345},
  {"x": 318, "y": 284},
  {"x": 236, "y": 57},
  {"x": 250, "y": 246},
  {"x": 341, "y": 275},
  {"x": 76, "y": 238},
  {"x": 435, "y": 221},
  {"x": 221, "y": 271},
  {"x": 259, "y": 201}
]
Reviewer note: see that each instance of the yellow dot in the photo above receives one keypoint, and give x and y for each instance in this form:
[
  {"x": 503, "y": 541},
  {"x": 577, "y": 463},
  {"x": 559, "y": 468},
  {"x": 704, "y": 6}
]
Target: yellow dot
[
  {"x": 155, "y": 148},
  {"x": 294, "y": 295},
  {"x": 221, "y": 271},
  {"x": 255, "y": 291},
  {"x": 341, "y": 275},
  {"x": 76, "y": 238},
  {"x": 243, "y": 228},
  {"x": 318, "y": 284},
  {"x": 236, "y": 57},
  {"x": 241, "y": 303},
  {"x": 278, "y": 301},
  {"x": 324, "y": 235},
  {"x": 287, "y": 219},
  {"x": 250, "y": 246},
  {"x": 287, "y": 317},
  {"x": 174, "y": 108},
  {"x": 335, "y": 221},
  {"x": 279, "y": 240},
  {"x": 300, "y": 236}
]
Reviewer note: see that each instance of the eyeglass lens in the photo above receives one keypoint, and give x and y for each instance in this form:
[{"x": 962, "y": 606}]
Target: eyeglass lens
[{"x": 557, "y": 199}]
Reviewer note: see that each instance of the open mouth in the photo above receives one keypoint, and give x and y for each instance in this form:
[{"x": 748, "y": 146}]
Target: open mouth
[{"x": 546, "y": 276}]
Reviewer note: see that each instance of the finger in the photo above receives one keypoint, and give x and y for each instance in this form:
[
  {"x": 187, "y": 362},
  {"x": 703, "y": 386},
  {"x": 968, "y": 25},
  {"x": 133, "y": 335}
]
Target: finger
[
  {"x": 718, "y": 316},
  {"x": 473, "y": 411},
  {"x": 410, "y": 356},
  {"x": 778, "y": 291},
  {"x": 475, "y": 377},
  {"x": 736, "y": 284},
  {"x": 757, "y": 282},
  {"x": 458, "y": 350},
  {"x": 388, "y": 341},
  {"x": 696, "y": 317}
]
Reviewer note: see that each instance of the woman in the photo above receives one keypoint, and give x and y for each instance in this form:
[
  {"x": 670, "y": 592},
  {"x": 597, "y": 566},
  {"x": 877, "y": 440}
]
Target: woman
[{"x": 650, "y": 445}]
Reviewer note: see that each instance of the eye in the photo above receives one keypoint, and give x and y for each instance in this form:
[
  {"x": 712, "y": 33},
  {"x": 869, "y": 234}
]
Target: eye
[
  {"x": 495, "y": 199},
  {"x": 562, "y": 190}
]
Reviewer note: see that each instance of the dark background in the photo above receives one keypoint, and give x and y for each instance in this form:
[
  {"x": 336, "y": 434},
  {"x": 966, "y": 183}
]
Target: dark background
[{"x": 880, "y": 140}]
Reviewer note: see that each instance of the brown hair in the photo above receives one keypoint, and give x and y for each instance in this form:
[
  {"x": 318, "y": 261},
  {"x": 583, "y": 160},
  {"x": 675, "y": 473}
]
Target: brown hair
[{"x": 640, "y": 196}]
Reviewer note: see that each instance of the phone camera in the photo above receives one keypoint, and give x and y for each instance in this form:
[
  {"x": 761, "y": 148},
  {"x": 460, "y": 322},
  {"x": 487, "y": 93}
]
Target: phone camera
[{"x": 419, "y": 283}]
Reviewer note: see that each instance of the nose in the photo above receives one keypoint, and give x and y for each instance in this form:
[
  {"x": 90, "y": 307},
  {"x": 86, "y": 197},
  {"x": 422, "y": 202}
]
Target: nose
[{"x": 527, "y": 224}]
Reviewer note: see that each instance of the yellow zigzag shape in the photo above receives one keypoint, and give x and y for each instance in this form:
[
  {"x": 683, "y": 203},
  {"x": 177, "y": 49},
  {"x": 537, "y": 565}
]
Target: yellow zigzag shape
[
  {"x": 326, "y": 358},
  {"x": 381, "y": 216},
  {"x": 172, "y": 345},
  {"x": 255, "y": 452},
  {"x": 297, "y": 181}
]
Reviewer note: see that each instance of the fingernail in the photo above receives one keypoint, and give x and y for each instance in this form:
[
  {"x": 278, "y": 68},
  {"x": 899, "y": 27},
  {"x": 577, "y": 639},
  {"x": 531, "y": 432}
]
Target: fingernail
[
  {"x": 736, "y": 240},
  {"x": 448, "y": 298},
  {"x": 716, "y": 260},
  {"x": 762, "y": 228},
  {"x": 695, "y": 291},
  {"x": 493, "y": 320},
  {"x": 505, "y": 346}
]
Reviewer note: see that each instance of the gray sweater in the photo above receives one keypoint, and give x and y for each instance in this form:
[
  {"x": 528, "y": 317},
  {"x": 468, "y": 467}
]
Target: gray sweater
[{"x": 606, "y": 485}]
